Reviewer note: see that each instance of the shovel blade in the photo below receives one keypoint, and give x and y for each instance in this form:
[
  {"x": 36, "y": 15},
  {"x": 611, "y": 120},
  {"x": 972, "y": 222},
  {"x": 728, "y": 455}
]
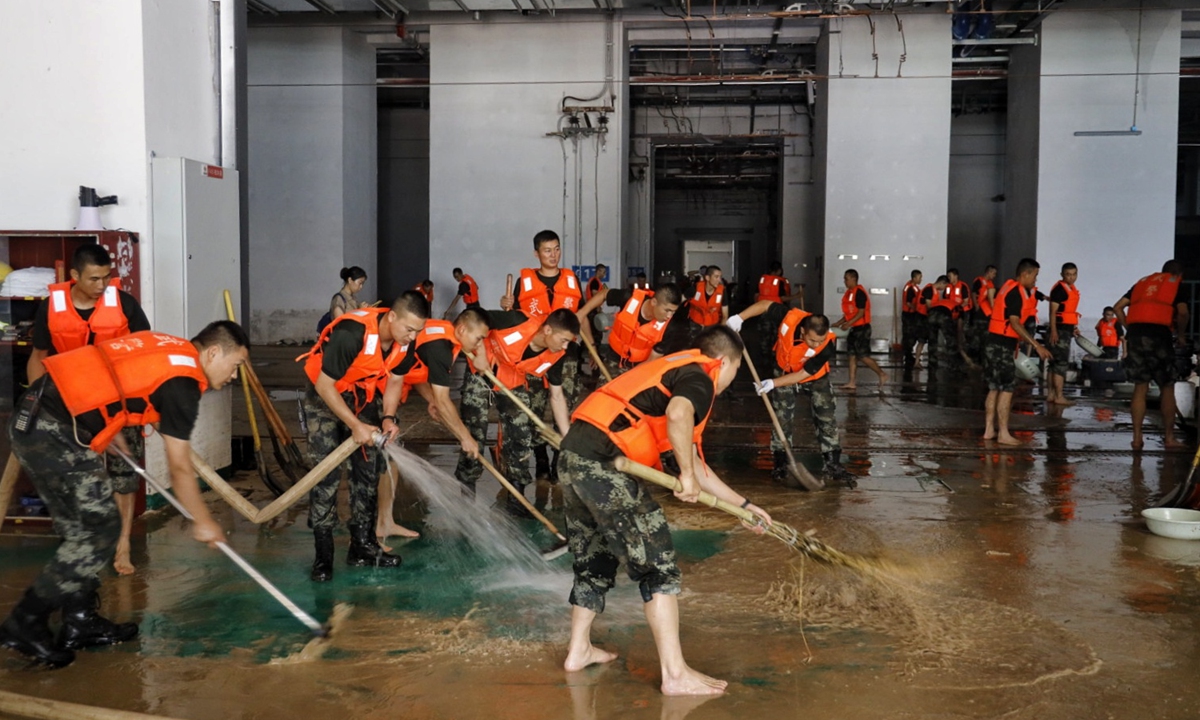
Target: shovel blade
[{"x": 807, "y": 480}]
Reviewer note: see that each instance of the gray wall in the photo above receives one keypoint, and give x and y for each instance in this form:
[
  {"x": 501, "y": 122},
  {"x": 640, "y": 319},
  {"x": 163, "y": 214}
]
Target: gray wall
[
  {"x": 404, "y": 202},
  {"x": 976, "y": 219},
  {"x": 1022, "y": 156}
]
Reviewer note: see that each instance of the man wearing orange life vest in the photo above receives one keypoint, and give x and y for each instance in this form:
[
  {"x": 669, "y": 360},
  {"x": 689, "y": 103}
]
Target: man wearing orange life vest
[
  {"x": 912, "y": 325},
  {"x": 1064, "y": 326},
  {"x": 983, "y": 293},
  {"x": 1110, "y": 335},
  {"x": 92, "y": 307},
  {"x": 709, "y": 303},
  {"x": 427, "y": 366},
  {"x": 639, "y": 330},
  {"x": 425, "y": 287},
  {"x": 1015, "y": 304},
  {"x": 595, "y": 286},
  {"x": 856, "y": 317},
  {"x": 658, "y": 406},
  {"x": 945, "y": 316},
  {"x": 348, "y": 370},
  {"x": 1149, "y": 312},
  {"x": 63, "y": 424},
  {"x": 468, "y": 290}
]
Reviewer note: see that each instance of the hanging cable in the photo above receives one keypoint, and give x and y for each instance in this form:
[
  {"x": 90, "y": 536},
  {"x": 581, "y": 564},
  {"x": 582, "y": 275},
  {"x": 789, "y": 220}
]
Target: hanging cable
[
  {"x": 903, "y": 45},
  {"x": 1137, "y": 72}
]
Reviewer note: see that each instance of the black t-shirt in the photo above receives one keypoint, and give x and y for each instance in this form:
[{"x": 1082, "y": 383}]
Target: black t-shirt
[
  {"x": 437, "y": 355},
  {"x": 690, "y": 382},
  {"x": 177, "y": 401},
  {"x": 341, "y": 348},
  {"x": 927, "y": 294},
  {"x": 504, "y": 319},
  {"x": 911, "y": 295},
  {"x": 674, "y": 339},
  {"x": 555, "y": 373},
  {"x": 129, "y": 306},
  {"x": 860, "y": 298}
]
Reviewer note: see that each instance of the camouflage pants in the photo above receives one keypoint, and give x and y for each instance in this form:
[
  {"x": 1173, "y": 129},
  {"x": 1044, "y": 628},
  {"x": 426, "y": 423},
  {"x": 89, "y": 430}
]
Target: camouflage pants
[
  {"x": 572, "y": 381},
  {"x": 977, "y": 331},
  {"x": 610, "y": 519},
  {"x": 325, "y": 433},
  {"x": 1060, "y": 352},
  {"x": 858, "y": 342},
  {"x": 823, "y": 407},
  {"x": 999, "y": 365},
  {"x": 78, "y": 492},
  {"x": 1150, "y": 358},
  {"x": 909, "y": 322},
  {"x": 473, "y": 409},
  {"x": 943, "y": 338},
  {"x": 518, "y": 436},
  {"x": 124, "y": 479},
  {"x": 613, "y": 362}
]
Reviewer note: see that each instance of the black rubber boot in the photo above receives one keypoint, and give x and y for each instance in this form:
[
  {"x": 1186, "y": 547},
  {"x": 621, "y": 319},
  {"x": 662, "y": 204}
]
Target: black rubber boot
[
  {"x": 837, "y": 471},
  {"x": 542, "y": 462},
  {"x": 365, "y": 550},
  {"x": 83, "y": 627},
  {"x": 322, "y": 567},
  {"x": 27, "y": 631},
  {"x": 513, "y": 506},
  {"x": 779, "y": 473}
]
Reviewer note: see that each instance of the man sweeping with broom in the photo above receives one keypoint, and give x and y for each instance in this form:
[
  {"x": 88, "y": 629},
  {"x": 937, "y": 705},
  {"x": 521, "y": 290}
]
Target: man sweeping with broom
[{"x": 657, "y": 406}]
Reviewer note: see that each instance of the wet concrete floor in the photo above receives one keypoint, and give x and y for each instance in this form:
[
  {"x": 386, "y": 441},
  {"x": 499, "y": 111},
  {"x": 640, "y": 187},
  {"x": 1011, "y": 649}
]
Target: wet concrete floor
[{"x": 1024, "y": 585}]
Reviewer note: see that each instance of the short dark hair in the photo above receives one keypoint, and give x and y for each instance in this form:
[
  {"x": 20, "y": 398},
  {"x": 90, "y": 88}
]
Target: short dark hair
[
  {"x": 226, "y": 334},
  {"x": 456, "y": 271},
  {"x": 563, "y": 319},
  {"x": 720, "y": 341},
  {"x": 413, "y": 303},
  {"x": 853, "y": 273},
  {"x": 1107, "y": 308},
  {"x": 90, "y": 254},
  {"x": 818, "y": 324},
  {"x": 710, "y": 269},
  {"x": 601, "y": 266},
  {"x": 990, "y": 267},
  {"x": 776, "y": 266},
  {"x": 668, "y": 292},
  {"x": 353, "y": 272},
  {"x": 1026, "y": 265},
  {"x": 914, "y": 274},
  {"x": 474, "y": 316},
  {"x": 952, "y": 271},
  {"x": 1069, "y": 266},
  {"x": 544, "y": 237},
  {"x": 427, "y": 283},
  {"x": 1173, "y": 266},
  {"x": 941, "y": 279},
  {"x": 641, "y": 275}
]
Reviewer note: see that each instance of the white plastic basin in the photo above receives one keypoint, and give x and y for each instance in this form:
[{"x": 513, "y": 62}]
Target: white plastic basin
[{"x": 1173, "y": 522}]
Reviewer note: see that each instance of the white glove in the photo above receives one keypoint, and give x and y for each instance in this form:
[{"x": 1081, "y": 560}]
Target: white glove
[
  {"x": 765, "y": 386},
  {"x": 734, "y": 323}
]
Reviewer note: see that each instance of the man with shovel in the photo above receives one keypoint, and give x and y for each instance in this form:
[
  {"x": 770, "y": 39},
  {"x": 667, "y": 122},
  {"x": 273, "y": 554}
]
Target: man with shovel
[
  {"x": 657, "y": 406},
  {"x": 62, "y": 426}
]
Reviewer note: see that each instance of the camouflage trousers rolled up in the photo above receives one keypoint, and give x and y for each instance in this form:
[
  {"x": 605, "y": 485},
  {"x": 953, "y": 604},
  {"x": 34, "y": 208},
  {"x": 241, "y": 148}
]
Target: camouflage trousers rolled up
[
  {"x": 821, "y": 403},
  {"x": 943, "y": 339},
  {"x": 473, "y": 408},
  {"x": 325, "y": 433},
  {"x": 610, "y": 519},
  {"x": 124, "y": 479},
  {"x": 78, "y": 492},
  {"x": 1060, "y": 352},
  {"x": 518, "y": 437}
]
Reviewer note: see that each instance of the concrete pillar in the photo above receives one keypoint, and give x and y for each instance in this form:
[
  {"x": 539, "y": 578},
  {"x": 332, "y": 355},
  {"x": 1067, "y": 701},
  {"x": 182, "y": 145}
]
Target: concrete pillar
[
  {"x": 313, "y": 192},
  {"x": 883, "y": 146},
  {"x": 1105, "y": 203}
]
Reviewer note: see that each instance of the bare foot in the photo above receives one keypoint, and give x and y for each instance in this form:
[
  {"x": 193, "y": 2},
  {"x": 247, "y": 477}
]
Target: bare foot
[
  {"x": 121, "y": 563},
  {"x": 1137, "y": 444},
  {"x": 1173, "y": 444},
  {"x": 848, "y": 386},
  {"x": 691, "y": 682},
  {"x": 1006, "y": 439},
  {"x": 590, "y": 655},
  {"x": 393, "y": 530},
  {"x": 989, "y": 434}
]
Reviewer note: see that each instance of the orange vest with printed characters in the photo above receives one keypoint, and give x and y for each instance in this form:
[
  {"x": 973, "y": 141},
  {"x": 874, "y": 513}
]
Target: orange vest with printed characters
[
  {"x": 472, "y": 295},
  {"x": 371, "y": 368},
  {"x": 69, "y": 331},
  {"x": 790, "y": 354},
  {"x": 1068, "y": 312},
  {"x": 646, "y": 437},
  {"x": 850, "y": 309},
  {"x": 419, "y": 372},
  {"x": 630, "y": 339},
  {"x": 704, "y": 310},
  {"x": 981, "y": 300},
  {"x": 772, "y": 287},
  {"x": 106, "y": 376},
  {"x": 1107, "y": 330},
  {"x": 535, "y": 297},
  {"x": 1153, "y": 300},
  {"x": 506, "y": 348},
  {"x": 999, "y": 324},
  {"x": 905, "y": 305}
]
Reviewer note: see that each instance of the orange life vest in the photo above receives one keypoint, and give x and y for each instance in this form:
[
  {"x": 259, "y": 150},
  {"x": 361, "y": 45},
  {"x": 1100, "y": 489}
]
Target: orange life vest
[
  {"x": 703, "y": 310},
  {"x": 922, "y": 308},
  {"x": 850, "y": 309},
  {"x": 419, "y": 372},
  {"x": 631, "y": 339},
  {"x": 772, "y": 287},
  {"x": 369, "y": 371},
  {"x": 472, "y": 295},
  {"x": 69, "y": 331},
  {"x": 999, "y": 324},
  {"x": 981, "y": 300},
  {"x": 641, "y": 286},
  {"x": 1068, "y": 312},
  {"x": 427, "y": 294},
  {"x": 106, "y": 376},
  {"x": 593, "y": 286},
  {"x": 952, "y": 298},
  {"x": 1153, "y": 300},
  {"x": 790, "y": 353},
  {"x": 1107, "y": 330},
  {"x": 905, "y": 305},
  {"x": 535, "y": 297},
  {"x": 646, "y": 437},
  {"x": 506, "y": 349}
]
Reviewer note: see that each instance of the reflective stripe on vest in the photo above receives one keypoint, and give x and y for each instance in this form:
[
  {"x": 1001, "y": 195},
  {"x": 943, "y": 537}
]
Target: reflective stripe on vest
[
  {"x": 535, "y": 296},
  {"x": 952, "y": 298},
  {"x": 703, "y": 309},
  {"x": 69, "y": 331},
  {"x": 631, "y": 339},
  {"x": 1153, "y": 300},
  {"x": 1068, "y": 312},
  {"x": 850, "y": 307},
  {"x": 106, "y": 376},
  {"x": 1107, "y": 330},
  {"x": 905, "y": 305},
  {"x": 370, "y": 369},
  {"x": 646, "y": 437},
  {"x": 770, "y": 287},
  {"x": 999, "y": 324},
  {"x": 791, "y": 353},
  {"x": 507, "y": 350}
]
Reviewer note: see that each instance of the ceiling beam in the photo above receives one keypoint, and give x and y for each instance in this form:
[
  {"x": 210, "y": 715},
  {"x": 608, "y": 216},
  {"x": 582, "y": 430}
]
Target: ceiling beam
[
  {"x": 261, "y": 7},
  {"x": 322, "y": 6}
]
